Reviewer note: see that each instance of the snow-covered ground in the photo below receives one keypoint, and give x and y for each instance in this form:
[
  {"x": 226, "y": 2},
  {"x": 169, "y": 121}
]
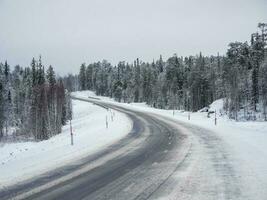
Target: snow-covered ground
[
  {"x": 246, "y": 142},
  {"x": 20, "y": 161}
]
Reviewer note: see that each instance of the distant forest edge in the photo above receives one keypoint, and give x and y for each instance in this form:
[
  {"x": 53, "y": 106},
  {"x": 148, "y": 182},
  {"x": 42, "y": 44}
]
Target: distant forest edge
[
  {"x": 188, "y": 83},
  {"x": 33, "y": 103}
]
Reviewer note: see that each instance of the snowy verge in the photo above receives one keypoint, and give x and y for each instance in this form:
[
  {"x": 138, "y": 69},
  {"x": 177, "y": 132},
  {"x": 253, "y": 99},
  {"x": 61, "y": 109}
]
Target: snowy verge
[{"x": 21, "y": 161}]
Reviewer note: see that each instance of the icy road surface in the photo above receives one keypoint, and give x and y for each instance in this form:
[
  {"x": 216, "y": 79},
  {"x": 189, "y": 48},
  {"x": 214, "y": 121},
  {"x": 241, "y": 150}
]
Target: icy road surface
[{"x": 159, "y": 159}]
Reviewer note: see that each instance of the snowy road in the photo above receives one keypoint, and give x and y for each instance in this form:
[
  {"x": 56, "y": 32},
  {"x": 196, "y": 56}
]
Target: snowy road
[{"x": 159, "y": 159}]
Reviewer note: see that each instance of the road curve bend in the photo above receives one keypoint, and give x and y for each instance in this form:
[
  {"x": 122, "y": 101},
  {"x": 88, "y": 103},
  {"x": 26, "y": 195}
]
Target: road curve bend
[{"x": 159, "y": 159}]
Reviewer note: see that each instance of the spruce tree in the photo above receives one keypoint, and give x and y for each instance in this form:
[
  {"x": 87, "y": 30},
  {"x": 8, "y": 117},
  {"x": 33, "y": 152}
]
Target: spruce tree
[
  {"x": 50, "y": 76},
  {"x": 82, "y": 77},
  {"x": 2, "y": 117}
]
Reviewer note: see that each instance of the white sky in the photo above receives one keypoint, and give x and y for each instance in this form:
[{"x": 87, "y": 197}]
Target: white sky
[{"x": 69, "y": 32}]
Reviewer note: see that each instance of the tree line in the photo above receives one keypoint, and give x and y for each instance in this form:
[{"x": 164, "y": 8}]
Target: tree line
[
  {"x": 33, "y": 102},
  {"x": 188, "y": 83}
]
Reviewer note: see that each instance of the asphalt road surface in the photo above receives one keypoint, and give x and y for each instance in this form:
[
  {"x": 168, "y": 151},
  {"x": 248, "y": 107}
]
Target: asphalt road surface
[{"x": 159, "y": 159}]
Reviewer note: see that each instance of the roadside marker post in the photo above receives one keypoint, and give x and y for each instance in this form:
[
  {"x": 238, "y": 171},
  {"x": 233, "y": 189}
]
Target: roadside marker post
[
  {"x": 215, "y": 120},
  {"x": 111, "y": 116},
  {"x": 71, "y": 134},
  {"x": 188, "y": 115},
  {"x": 106, "y": 121}
]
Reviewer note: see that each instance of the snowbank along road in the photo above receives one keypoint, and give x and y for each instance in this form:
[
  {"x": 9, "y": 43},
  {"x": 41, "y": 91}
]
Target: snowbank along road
[{"x": 159, "y": 159}]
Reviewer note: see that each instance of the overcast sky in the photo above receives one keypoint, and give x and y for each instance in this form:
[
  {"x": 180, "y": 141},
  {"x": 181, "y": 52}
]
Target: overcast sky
[{"x": 69, "y": 32}]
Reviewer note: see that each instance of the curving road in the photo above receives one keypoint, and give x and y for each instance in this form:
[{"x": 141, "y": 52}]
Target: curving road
[{"x": 159, "y": 159}]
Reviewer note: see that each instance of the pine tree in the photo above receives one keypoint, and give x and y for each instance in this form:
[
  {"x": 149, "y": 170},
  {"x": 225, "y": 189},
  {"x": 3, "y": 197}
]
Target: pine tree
[
  {"x": 89, "y": 77},
  {"x": 263, "y": 87},
  {"x": 34, "y": 74},
  {"x": 82, "y": 77},
  {"x": 8, "y": 114},
  {"x": 136, "y": 83},
  {"x": 40, "y": 72},
  {"x": 2, "y": 117},
  {"x": 50, "y": 76}
]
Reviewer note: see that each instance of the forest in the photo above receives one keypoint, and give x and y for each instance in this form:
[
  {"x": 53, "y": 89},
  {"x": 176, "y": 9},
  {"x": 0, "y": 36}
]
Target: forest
[
  {"x": 33, "y": 103},
  {"x": 188, "y": 83}
]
